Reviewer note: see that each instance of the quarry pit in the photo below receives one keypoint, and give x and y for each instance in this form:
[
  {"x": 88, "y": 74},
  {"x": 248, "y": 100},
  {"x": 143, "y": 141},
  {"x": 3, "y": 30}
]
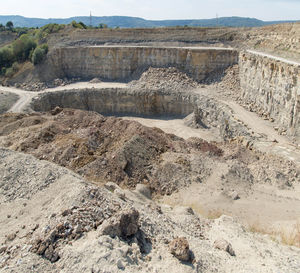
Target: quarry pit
[
  {"x": 268, "y": 85},
  {"x": 244, "y": 105}
]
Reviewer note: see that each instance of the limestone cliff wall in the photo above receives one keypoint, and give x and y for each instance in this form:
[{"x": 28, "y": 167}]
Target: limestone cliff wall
[
  {"x": 273, "y": 86},
  {"x": 118, "y": 101},
  {"x": 119, "y": 63}
]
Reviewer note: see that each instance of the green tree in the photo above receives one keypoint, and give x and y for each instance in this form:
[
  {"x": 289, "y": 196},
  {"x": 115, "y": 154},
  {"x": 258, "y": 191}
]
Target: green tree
[
  {"x": 6, "y": 57},
  {"x": 102, "y": 25},
  {"x": 9, "y": 25},
  {"x": 83, "y": 25},
  {"x": 23, "y": 46},
  {"x": 39, "y": 54}
]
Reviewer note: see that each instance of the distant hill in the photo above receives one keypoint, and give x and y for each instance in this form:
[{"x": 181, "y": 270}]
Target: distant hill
[{"x": 136, "y": 22}]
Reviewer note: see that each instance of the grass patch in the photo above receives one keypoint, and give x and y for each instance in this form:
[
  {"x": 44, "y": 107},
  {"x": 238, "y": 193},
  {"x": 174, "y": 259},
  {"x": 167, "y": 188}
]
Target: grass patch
[{"x": 290, "y": 237}]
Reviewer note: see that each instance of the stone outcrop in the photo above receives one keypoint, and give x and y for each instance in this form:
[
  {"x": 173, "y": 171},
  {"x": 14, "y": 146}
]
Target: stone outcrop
[{"x": 272, "y": 87}]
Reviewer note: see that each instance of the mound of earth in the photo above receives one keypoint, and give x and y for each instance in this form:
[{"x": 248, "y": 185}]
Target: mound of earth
[
  {"x": 109, "y": 149},
  {"x": 164, "y": 79},
  {"x": 56, "y": 222},
  {"x": 105, "y": 149}
]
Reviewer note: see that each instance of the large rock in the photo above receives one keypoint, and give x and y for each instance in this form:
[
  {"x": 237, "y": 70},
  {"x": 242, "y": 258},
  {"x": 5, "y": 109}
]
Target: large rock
[
  {"x": 179, "y": 247},
  {"x": 224, "y": 245},
  {"x": 124, "y": 224}
]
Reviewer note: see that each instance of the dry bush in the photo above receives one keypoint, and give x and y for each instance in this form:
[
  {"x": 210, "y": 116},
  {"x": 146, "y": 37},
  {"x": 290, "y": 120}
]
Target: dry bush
[{"x": 289, "y": 237}]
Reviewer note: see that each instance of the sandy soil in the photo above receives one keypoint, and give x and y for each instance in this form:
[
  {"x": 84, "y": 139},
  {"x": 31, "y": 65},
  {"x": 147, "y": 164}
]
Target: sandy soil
[
  {"x": 262, "y": 206},
  {"x": 178, "y": 128}
]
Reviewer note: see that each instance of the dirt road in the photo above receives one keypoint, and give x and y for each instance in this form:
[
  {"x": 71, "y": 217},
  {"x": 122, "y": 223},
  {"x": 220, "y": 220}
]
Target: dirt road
[{"x": 25, "y": 97}]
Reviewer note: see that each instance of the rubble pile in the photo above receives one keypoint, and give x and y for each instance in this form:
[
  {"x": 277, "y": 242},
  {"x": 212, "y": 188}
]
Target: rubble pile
[{"x": 169, "y": 78}]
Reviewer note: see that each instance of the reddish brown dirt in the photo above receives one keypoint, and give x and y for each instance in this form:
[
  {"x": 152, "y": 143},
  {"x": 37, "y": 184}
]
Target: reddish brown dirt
[{"x": 125, "y": 152}]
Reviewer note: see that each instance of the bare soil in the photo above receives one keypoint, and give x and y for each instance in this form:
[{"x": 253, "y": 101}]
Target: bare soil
[{"x": 7, "y": 100}]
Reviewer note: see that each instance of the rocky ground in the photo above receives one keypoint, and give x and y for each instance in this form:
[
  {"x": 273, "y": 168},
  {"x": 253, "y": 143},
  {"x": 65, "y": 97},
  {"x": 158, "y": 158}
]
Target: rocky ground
[
  {"x": 38, "y": 86},
  {"x": 54, "y": 221},
  {"x": 164, "y": 79}
]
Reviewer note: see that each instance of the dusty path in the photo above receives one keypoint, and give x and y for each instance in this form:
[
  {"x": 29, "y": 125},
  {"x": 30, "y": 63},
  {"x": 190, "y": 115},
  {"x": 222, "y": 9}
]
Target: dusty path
[
  {"x": 270, "y": 140},
  {"x": 177, "y": 127},
  {"x": 274, "y": 57},
  {"x": 25, "y": 97}
]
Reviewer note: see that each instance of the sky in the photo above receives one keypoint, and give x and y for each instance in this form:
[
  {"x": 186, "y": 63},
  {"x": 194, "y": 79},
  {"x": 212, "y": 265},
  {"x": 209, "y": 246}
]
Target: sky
[{"x": 267, "y": 10}]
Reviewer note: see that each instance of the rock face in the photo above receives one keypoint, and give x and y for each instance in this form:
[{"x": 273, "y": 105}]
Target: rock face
[
  {"x": 117, "y": 62},
  {"x": 118, "y": 101},
  {"x": 272, "y": 87},
  {"x": 146, "y": 103}
]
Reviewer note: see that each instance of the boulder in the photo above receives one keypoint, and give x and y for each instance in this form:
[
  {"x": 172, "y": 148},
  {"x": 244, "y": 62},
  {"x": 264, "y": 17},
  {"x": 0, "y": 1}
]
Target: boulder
[
  {"x": 124, "y": 224},
  {"x": 179, "y": 248}
]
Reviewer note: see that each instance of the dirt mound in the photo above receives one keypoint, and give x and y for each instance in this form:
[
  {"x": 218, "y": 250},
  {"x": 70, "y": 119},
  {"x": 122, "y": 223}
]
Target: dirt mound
[
  {"x": 105, "y": 149},
  {"x": 108, "y": 149},
  {"x": 164, "y": 79}
]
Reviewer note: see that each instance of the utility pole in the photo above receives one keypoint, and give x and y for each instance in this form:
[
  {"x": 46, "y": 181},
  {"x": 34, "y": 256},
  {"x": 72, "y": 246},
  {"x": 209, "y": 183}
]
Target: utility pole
[
  {"x": 90, "y": 18},
  {"x": 217, "y": 17}
]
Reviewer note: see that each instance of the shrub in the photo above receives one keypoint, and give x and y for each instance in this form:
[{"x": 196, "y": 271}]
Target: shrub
[
  {"x": 83, "y": 25},
  {"x": 9, "y": 25},
  {"x": 39, "y": 54},
  {"x": 9, "y": 72},
  {"x": 6, "y": 57},
  {"x": 52, "y": 28},
  {"x": 3, "y": 71},
  {"x": 15, "y": 67},
  {"x": 78, "y": 25},
  {"x": 21, "y": 32},
  {"x": 44, "y": 47},
  {"x": 102, "y": 25},
  {"x": 23, "y": 46}
]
